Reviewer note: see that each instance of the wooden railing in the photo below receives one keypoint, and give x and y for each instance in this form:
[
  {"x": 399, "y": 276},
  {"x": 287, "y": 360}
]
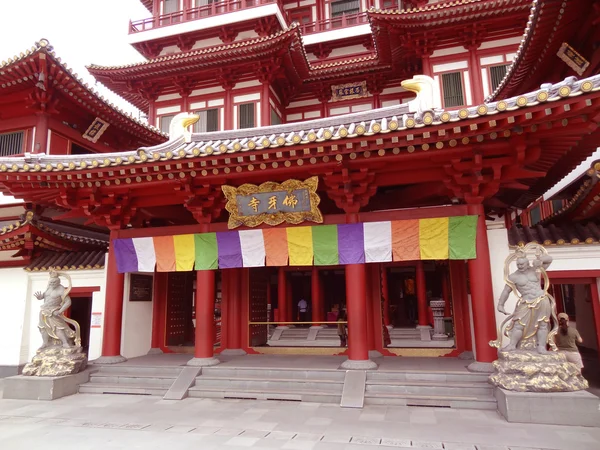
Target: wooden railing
[
  {"x": 335, "y": 23},
  {"x": 199, "y": 12}
]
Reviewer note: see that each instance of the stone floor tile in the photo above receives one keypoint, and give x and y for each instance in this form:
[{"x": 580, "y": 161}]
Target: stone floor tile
[
  {"x": 281, "y": 435},
  {"x": 336, "y": 438},
  {"x": 228, "y": 432},
  {"x": 403, "y": 443},
  {"x": 365, "y": 440},
  {"x": 372, "y": 417},
  {"x": 261, "y": 426},
  {"x": 242, "y": 441},
  {"x": 426, "y": 444},
  {"x": 180, "y": 429},
  {"x": 259, "y": 434},
  {"x": 215, "y": 423},
  {"x": 205, "y": 430},
  {"x": 458, "y": 446},
  {"x": 491, "y": 447},
  {"x": 310, "y": 437},
  {"x": 316, "y": 421},
  {"x": 299, "y": 445}
]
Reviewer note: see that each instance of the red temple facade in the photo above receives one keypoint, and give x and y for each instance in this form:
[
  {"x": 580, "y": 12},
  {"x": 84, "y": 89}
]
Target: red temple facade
[{"x": 327, "y": 89}]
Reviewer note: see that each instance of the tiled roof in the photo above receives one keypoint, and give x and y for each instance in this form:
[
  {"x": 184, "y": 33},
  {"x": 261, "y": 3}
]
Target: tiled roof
[
  {"x": 546, "y": 20},
  {"x": 67, "y": 261},
  {"x": 559, "y": 234},
  {"x": 147, "y": 4},
  {"x": 11, "y": 74},
  {"x": 339, "y": 128}
]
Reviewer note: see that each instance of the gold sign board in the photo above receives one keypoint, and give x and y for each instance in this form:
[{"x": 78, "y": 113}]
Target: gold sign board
[
  {"x": 272, "y": 203},
  {"x": 573, "y": 59},
  {"x": 348, "y": 91}
]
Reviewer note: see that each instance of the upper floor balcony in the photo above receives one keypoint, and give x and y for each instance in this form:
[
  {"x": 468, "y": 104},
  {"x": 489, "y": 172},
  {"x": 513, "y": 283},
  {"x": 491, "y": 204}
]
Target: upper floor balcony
[{"x": 166, "y": 24}]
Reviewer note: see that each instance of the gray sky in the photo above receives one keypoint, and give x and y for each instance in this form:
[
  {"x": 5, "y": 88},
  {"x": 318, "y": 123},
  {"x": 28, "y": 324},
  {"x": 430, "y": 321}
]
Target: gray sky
[{"x": 81, "y": 31}]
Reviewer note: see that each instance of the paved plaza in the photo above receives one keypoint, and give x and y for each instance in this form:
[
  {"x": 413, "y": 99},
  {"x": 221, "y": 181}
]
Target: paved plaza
[{"x": 103, "y": 422}]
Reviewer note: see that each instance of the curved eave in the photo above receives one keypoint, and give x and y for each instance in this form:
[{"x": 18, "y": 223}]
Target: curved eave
[
  {"x": 562, "y": 234},
  {"x": 12, "y": 74},
  {"x": 550, "y": 23}
]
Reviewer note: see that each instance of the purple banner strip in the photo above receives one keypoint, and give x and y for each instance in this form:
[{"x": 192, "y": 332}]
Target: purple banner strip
[
  {"x": 351, "y": 243},
  {"x": 230, "y": 250},
  {"x": 125, "y": 254}
]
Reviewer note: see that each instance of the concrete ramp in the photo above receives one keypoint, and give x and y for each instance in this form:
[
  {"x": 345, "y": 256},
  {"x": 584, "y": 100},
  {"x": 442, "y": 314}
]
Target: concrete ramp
[
  {"x": 181, "y": 385},
  {"x": 353, "y": 393}
]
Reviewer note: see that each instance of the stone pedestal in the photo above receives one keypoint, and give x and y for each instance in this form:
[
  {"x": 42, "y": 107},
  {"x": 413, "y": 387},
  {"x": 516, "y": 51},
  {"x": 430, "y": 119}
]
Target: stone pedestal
[
  {"x": 56, "y": 361},
  {"x": 552, "y": 408},
  {"x": 437, "y": 307},
  {"x": 528, "y": 371},
  {"x": 43, "y": 388},
  {"x": 425, "y": 331}
]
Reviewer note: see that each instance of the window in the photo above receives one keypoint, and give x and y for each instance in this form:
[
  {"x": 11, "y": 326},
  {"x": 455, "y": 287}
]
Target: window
[
  {"x": 12, "y": 143},
  {"x": 170, "y": 6},
  {"x": 345, "y": 7},
  {"x": 390, "y": 4},
  {"x": 275, "y": 120},
  {"x": 452, "y": 89},
  {"x": 209, "y": 121},
  {"x": 497, "y": 74},
  {"x": 246, "y": 115},
  {"x": 165, "y": 123},
  {"x": 301, "y": 15}
]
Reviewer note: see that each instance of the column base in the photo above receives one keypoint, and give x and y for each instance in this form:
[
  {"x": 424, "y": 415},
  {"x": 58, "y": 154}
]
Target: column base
[
  {"x": 109, "y": 360},
  {"x": 155, "y": 351},
  {"x": 480, "y": 367},
  {"x": 466, "y": 355},
  {"x": 233, "y": 352},
  {"x": 203, "y": 362},
  {"x": 316, "y": 327},
  {"x": 425, "y": 332},
  {"x": 439, "y": 337},
  {"x": 364, "y": 364},
  {"x": 282, "y": 327},
  {"x": 374, "y": 354}
]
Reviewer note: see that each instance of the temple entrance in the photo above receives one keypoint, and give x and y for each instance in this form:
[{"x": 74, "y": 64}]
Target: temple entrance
[
  {"x": 81, "y": 312},
  {"x": 181, "y": 310}
]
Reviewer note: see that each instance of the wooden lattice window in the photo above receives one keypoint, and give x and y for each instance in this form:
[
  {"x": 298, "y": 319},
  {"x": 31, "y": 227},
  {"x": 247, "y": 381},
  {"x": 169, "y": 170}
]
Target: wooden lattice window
[
  {"x": 246, "y": 115},
  {"x": 345, "y": 7},
  {"x": 12, "y": 143},
  {"x": 452, "y": 89},
  {"x": 209, "y": 121},
  {"x": 497, "y": 74},
  {"x": 301, "y": 15},
  {"x": 170, "y": 6}
]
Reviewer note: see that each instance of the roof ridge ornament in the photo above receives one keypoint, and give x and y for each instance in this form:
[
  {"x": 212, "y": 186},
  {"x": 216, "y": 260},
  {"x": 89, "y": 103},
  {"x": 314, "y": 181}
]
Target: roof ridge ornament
[
  {"x": 179, "y": 126},
  {"x": 422, "y": 85}
]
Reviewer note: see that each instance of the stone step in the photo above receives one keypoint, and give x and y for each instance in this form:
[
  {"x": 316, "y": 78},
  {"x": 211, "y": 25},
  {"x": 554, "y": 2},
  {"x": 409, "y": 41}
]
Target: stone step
[
  {"x": 319, "y": 396},
  {"x": 424, "y": 389},
  {"x": 431, "y": 376},
  {"x": 262, "y": 373},
  {"x": 246, "y": 384},
  {"x": 138, "y": 370},
  {"x": 459, "y": 402},
  {"x": 161, "y": 380},
  {"x": 100, "y": 388}
]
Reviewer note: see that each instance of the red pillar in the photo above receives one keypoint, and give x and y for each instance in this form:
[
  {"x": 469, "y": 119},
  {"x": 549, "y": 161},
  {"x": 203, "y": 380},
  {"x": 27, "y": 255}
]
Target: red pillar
[
  {"x": 41, "y": 133},
  {"x": 446, "y": 293},
  {"x": 482, "y": 297},
  {"x": 357, "y": 315},
  {"x": 282, "y": 295},
  {"x": 229, "y": 125},
  {"x": 475, "y": 74},
  {"x": 113, "y": 310},
  {"x": 460, "y": 304},
  {"x": 596, "y": 310},
  {"x": 386, "y": 296},
  {"x": 421, "y": 294},
  {"x": 265, "y": 106},
  {"x": 205, "y": 323},
  {"x": 369, "y": 307},
  {"x": 292, "y": 310},
  {"x": 317, "y": 300}
]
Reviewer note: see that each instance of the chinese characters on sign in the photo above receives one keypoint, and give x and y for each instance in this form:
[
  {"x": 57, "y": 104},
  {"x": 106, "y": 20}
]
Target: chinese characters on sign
[
  {"x": 573, "y": 59},
  {"x": 348, "y": 91},
  {"x": 274, "y": 202},
  {"x": 95, "y": 130},
  {"x": 292, "y": 201}
]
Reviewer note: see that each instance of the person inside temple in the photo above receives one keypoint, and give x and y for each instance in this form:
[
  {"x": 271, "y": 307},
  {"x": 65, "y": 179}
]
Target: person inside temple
[{"x": 567, "y": 339}]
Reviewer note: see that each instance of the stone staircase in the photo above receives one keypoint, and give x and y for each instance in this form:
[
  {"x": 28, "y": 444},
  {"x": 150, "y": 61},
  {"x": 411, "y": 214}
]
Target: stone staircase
[
  {"x": 438, "y": 389},
  {"x": 305, "y": 337},
  {"x": 135, "y": 380},
  {"x": 314, "y": 385},
  {"x": 405, "y": 333}
]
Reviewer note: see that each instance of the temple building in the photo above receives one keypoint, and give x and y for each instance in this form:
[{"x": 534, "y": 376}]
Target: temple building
[{"x": 372, "y": 162}]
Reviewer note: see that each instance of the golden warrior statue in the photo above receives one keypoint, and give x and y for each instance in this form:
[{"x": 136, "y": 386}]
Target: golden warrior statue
[
  {"x": 528, "y": 327},
  {"x": 53, "y": 325}
]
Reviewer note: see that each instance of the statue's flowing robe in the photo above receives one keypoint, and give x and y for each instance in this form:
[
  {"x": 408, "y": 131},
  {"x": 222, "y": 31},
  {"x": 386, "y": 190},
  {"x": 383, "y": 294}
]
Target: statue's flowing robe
[
  {"x": 49, "y": 323},
  {"x": 529, "y": 314}
]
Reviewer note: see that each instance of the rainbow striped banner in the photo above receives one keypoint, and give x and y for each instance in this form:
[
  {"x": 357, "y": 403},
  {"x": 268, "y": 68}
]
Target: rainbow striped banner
[{"x": 321, "y": 245}]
